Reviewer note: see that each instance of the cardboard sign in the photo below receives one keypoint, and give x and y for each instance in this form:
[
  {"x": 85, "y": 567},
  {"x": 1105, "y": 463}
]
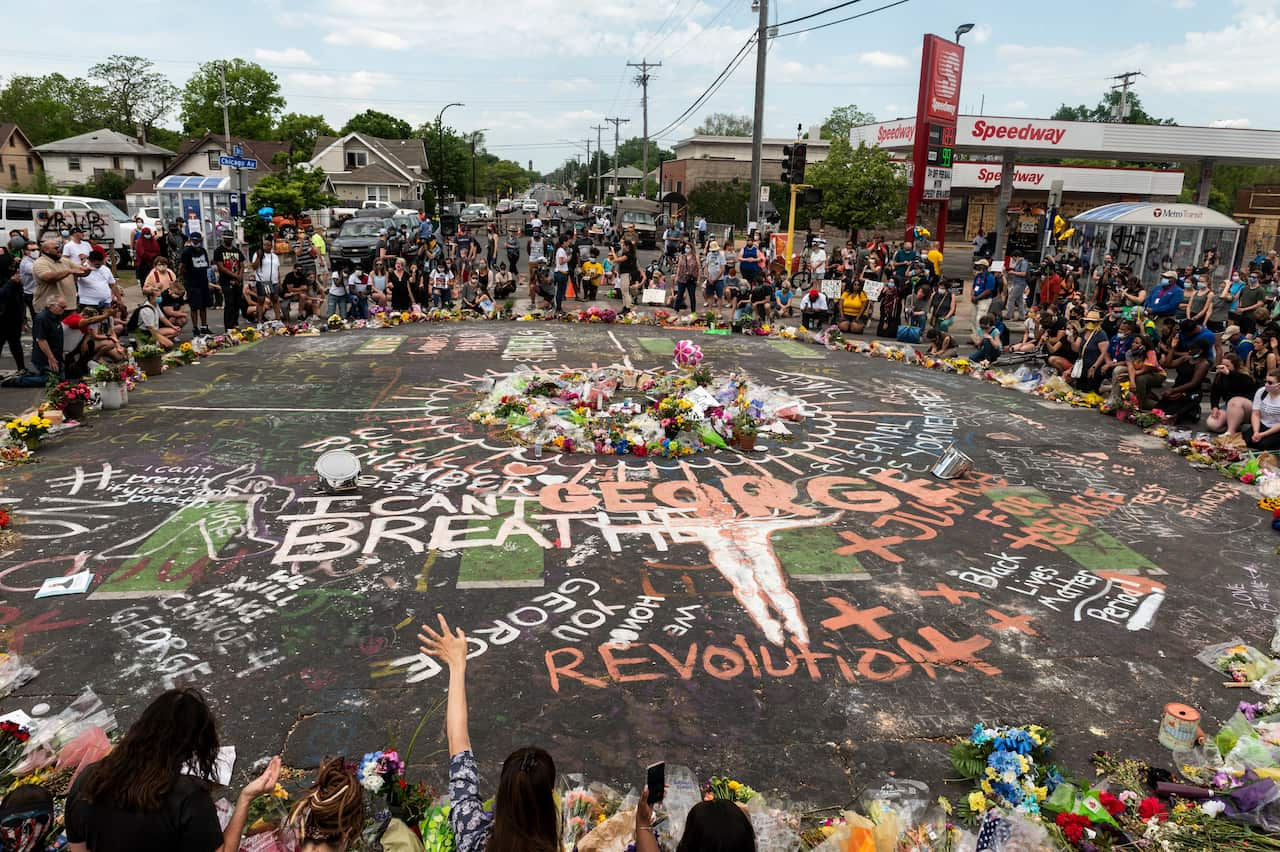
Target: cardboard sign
[
  {"x": 873, "y": 289},
  {"x": 75, "y": 584},
  {"x": 653, "y": 296},
  {"x": 830, "y": 288}
]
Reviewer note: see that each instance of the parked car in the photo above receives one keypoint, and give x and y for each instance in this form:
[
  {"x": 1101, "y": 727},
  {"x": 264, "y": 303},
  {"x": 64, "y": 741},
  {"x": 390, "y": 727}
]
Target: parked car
[
  {"x": 357, "y": 239},
  {"x": 475, "y": 213},
  {"x": 150, "y": 218},
  {"x": 529, "y": 205},
  {"x": 506, "y": 205},
  {"x": 101, "y": 219}
]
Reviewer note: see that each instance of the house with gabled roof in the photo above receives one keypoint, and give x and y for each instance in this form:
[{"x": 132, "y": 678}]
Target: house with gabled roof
[{"x": 366, "y": 168}]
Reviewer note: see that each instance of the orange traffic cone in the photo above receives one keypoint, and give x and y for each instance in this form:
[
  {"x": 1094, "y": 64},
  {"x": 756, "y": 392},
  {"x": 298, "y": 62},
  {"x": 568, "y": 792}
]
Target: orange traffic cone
[{"x": 568, "y": 293}]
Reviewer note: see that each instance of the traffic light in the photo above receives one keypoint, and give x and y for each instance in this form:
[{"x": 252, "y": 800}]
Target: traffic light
[{"x": 793, "y": 157}]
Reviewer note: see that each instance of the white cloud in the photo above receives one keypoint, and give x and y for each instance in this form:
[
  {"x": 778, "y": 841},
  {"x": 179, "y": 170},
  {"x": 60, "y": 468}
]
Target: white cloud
[
  {"x": 1239, "y": 123},
  {"x": 288, "y": 56},
  {"x": 360, "y": 84},
  {"x": 881, "y": 59},
  {"x": 369, "y": 37}
]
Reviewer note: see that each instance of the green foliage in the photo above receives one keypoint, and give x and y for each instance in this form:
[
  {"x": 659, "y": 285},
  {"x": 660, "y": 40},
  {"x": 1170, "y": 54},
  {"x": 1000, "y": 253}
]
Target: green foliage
[
  {"x": 1103, "y": 111},
  {"x": 133, "y": 92},
  {"x": 291, "y": 191},
  {"x": 1227, "y": 181},
  {"x": 379, "y": 124},
  {"x": 39, "y": 184},
  {"x": 860, "y": 189},
  {"x": 103, "y": 185},
  {"x": 631, "y": 153},
  {"x": 253, "y": 99},
  {"x": 649, "y": 188},
  {"x": 301, "y": 131},
  {"x": 51, "y": 107},
  {"x": 968, "y": 760},
  {"x": 725, "y": 124},
  {"x": 842, "y": 119}
]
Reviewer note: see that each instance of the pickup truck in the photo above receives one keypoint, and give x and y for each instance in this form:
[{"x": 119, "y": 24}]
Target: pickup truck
[
  {"x": 639, "y": 214},
  {"x": 392, "y": 209}
]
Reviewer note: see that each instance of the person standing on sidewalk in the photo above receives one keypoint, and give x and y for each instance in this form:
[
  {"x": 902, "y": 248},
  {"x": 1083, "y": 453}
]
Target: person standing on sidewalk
[
  {"x": 194, "y": 269},
  {"x": 229, "y": 261},
  {"x": 984, "y": 289},
  {"x": 1017, "y": 308},
  {"x": 687, "y": 279},
  {"x": 561, "y": 273}
]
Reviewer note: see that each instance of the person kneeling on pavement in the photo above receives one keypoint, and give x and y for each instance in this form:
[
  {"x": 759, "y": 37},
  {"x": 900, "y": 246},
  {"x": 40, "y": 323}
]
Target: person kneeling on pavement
[
  {"x": 815, "y": 313},
  {"x": 988, "y": 341}
]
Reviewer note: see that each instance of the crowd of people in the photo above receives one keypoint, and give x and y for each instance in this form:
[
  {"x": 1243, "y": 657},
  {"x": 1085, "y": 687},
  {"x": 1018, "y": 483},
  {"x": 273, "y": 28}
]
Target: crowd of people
[{"x": 154, "y": 790}]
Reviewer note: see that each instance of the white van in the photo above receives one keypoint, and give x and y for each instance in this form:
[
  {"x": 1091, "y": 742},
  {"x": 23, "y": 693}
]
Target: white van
[{"x": 101, "y": 220}]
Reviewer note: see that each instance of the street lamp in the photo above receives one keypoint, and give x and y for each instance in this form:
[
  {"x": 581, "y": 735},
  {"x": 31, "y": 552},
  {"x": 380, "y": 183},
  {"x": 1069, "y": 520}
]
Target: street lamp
[
  {"x": 961, "y": 30},
  {"x": 474, "y": 135},
  {"x": 440, "y": 169}
]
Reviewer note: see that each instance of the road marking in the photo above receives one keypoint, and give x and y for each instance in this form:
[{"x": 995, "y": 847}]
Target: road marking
[{"x": 260, "y": 410}]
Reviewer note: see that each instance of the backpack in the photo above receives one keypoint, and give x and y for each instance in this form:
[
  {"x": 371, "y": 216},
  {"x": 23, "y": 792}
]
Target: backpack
[
  {"x": 909, "y": 333},
  {"x": 132, "y": 325}
]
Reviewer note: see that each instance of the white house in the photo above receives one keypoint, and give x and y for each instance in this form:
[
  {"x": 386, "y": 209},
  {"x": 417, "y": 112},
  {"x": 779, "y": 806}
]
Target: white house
[
  {"x": 81, "y": 158},
  {"x": 365, "y": 168}
]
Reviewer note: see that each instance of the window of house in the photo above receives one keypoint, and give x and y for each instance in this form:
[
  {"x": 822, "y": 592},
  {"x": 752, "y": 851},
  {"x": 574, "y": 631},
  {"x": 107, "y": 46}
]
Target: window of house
[
  {"x": 377, "y": 193},
  {"x": 13, "y": 140},
  {"x": 115, "y": 162},
  {"x": 13, "y": 172},
  {"x": 30, "y": 166},
  {"x": 73, "y": 163},
  {"x": 137, "y": 162},
  {"x": 214, "y": 165},
  {"x": 357, "y": 160}
]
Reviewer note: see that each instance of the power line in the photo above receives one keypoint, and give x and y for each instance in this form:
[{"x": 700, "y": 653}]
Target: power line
[
  {"x": 727, "y": 70},
  {"x": 841, "y": 20},
  {"x": 642, "y": 80},
  {"x": 817, "y": 13}
]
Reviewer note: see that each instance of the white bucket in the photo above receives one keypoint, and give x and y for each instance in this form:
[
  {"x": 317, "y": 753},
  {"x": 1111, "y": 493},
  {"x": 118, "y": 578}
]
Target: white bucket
[
  {"x": 112, "y": 396},
  {"x": 338, "y": 470},
  {"x": 952, "y": 464}
]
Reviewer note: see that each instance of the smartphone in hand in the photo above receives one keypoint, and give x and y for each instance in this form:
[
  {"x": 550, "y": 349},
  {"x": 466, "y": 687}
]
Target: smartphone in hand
[{"x": 656, "y": 781}]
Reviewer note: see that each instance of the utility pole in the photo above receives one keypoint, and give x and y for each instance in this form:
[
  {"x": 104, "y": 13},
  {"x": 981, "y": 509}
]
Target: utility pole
[
  {"x": 757, "y": 126},
  {"x": 599, "y": 156},
  {"x": 616, "y": 122},
  {"x": 1121, "y": 112},
  {"x": 588, "y": 169},
  {"x": 642, "y": 80},
  {"x": 226, "y": 137}
]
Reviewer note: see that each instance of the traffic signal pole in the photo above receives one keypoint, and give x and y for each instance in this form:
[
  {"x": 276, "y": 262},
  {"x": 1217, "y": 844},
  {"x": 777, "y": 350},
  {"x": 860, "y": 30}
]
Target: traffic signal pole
[{"x": 791, "y": 221}]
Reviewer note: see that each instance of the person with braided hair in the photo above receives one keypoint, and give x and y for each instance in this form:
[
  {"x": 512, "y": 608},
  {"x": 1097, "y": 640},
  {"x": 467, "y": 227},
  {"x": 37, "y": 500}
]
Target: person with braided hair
[
  {"x": 524, "y": 817},
  {"x": 151, "y": 792},
  {"x": 329, "y": 816}
]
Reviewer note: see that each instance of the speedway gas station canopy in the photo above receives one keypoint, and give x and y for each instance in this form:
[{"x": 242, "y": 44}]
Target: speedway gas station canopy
[{"x": 1033, "y": 138}]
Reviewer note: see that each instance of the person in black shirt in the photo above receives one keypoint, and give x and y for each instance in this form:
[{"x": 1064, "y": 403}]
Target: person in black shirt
[
  {"x": 229, "y": 261},
  {"x": 761, "y": 299},
  {"x": 142, "y": 796},
  {"x": 194, "y": 268}
]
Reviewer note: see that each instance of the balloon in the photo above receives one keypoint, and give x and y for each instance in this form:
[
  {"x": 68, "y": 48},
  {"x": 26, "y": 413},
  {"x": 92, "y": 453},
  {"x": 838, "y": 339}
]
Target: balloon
[{"x": 687, "y": 354}]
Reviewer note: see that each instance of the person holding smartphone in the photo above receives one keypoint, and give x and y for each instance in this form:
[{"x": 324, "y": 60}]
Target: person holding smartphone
[
  {"x": 524, "y": 817},
  {"x": 716, "y": 824}
]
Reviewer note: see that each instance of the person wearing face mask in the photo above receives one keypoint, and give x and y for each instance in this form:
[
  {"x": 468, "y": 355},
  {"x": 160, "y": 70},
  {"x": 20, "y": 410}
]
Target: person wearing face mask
[
  {"x": 1200, "y": 303},
  {"x": 27, "y": 275},
  {"x": 1251, "y": 307},
  {"x": 1219, "y": 308}
]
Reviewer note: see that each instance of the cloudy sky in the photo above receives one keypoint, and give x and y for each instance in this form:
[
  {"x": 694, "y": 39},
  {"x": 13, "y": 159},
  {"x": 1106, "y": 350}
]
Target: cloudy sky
[{"x": 539, "y": 73}]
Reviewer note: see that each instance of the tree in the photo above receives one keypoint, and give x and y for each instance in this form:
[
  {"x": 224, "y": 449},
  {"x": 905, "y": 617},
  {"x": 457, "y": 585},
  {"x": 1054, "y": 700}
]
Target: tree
[
  {"x": 378, "y": 124},
  {"x": 449, "y": 156},
  {"x": 503, "y": 178},
  {"x": 1105, "y": 109},
  {"x": 860, "y": 189},
  {"x": 725, "y": 124},
  {"x": 291, "y": 191},
  {"x": 52, "y": 107},
  {"x": 302, "y": 131},
  {"x": 842, "y": 120},
  {"x": 134, "y": 94},
  {"x": 253, "y": 99},
  {"x": 631, "y": 153}
]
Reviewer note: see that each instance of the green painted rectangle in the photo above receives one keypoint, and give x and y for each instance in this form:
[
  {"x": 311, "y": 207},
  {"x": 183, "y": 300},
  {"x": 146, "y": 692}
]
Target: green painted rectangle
[
  {"x": 380, "y": 345},
  {"x": 517, "y": 563},
  {"x": 1094, "y": 549},
  {"x": 659, "y": 345},
  {"x": 792, "y": 349},
  {"x": 808, "y": 554}
]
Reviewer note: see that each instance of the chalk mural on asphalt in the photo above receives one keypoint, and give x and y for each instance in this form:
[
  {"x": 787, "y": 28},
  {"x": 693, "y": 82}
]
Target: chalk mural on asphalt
[{"x": 616, "y": 564}]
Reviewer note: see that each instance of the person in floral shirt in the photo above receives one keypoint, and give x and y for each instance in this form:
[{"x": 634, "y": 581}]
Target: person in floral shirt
[{"x": 524, "y": 817}]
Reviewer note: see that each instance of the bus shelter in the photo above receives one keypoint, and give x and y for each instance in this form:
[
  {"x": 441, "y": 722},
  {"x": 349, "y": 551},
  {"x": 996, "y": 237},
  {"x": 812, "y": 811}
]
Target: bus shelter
[
  {"x": 1154, "y": 237},
  {"x": 204, "y": 204}
]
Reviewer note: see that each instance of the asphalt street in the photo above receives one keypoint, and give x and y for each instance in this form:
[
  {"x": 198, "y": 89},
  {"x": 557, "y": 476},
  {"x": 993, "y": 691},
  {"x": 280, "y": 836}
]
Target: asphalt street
[{"x": 808, "y": 616}]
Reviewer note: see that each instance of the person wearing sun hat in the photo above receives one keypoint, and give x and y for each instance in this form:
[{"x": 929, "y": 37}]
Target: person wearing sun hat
[
  {"x": 1091, "y": 344},
  {"x": 713, "y": 267}
]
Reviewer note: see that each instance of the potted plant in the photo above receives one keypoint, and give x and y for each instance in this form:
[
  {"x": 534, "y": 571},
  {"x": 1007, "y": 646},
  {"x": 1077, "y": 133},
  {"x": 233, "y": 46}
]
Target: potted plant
[
  {"x": 28, "y": 430},
  {"x": 70, "y": 397},
  {"x": 108, "y": 376},
  {"x": 150, "y": 359},
  {"x": 744, "y": 431}
]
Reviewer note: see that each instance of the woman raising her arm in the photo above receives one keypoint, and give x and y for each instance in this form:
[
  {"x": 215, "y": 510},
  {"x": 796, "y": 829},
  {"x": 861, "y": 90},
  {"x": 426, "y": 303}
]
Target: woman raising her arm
[{"x": 524, "y": 817}]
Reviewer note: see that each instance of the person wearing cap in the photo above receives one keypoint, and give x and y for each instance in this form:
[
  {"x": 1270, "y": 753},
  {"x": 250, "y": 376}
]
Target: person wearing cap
[
  {"x": 1251, "y": 306},
  {"x": 97, "y": 289},
  {"x": 320, "y": 251},
  {"x": 818, "y": 260},
  {"x": 815, "y": 312},
  {"x": 193, "y": 268},
  {"x": 1017, "y": 275},
  {"x": 266, "y": 278},
  {"x": 1166, "y": 297},
  {"x": 145, "y": 251},
  {"x": 77, "y": 250},
  {"x": 1234, "y": 341},
  {"x": 984, "y": 287},
  {"x": 713, "y": 267},
  {"x": 228, "y": 260}
]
